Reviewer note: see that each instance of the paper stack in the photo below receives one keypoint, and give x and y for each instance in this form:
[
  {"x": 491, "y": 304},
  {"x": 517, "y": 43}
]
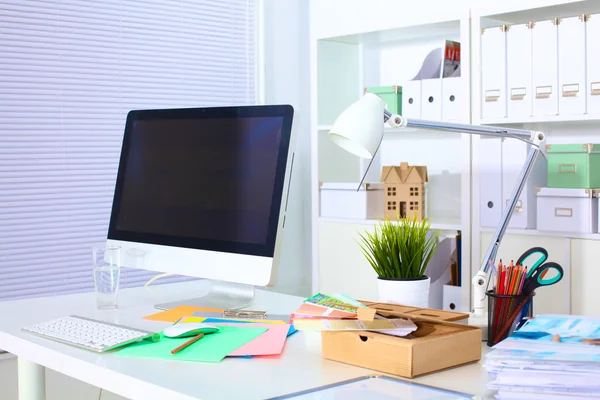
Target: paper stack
[
  {"x": 550, "y": 357},
  {"x": 339, "y": 312}
]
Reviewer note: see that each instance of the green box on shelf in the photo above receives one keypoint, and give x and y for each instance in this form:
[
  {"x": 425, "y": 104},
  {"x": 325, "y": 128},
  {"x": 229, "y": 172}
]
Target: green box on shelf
[
  {"x": 574, "y": 166},
  {"x": 392, "y": 95}
]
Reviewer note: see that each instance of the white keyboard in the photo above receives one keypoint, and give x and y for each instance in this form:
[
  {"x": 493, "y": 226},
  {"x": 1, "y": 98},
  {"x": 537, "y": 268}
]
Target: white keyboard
[{"x": 90, "y": 334}]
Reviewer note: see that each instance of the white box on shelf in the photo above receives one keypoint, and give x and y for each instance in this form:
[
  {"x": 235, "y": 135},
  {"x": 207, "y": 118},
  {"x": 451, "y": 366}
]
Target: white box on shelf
[
  {"x": 593, "y": 64},
  {"x": 571, "y": 66},
  {"x": 431, "y": 99},
  {"x": 544, "y": 63},
  {"x": 503, "y": 161},
  {"x": 411, "y": 99},
  {"x": 518, "y": 71},
  {"x": 451, "y": 298},
  {"x": 493, "y": 73},
  {"x": 342, "y": 200},
  {"x": 567, "y": 210},
  {"x": 452, "y": 99}
]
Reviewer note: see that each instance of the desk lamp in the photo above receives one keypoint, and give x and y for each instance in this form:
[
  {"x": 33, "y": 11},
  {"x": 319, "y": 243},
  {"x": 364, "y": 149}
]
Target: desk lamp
[{"x": 359, "y": 130}]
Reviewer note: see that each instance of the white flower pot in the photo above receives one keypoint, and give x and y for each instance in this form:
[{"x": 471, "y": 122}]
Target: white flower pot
[{"x": 407, "y": 292}]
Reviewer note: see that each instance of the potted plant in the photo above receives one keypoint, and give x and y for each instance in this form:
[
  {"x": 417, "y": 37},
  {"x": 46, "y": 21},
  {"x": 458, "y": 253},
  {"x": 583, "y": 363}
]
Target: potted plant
[{"x": 399, "y": 252}]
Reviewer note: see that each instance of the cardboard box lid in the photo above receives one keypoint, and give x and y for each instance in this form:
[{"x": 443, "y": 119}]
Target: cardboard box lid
[
  {"x": 572, "y": 148},
  {"x": 350, "y": 186},
  {"x": 392, "y": 89},
  {"x": 565, "y": 192}
]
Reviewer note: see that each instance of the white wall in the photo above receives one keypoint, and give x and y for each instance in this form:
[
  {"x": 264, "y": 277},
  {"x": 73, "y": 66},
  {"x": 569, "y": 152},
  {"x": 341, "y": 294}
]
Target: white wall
[{"x": 287, "y": 81}]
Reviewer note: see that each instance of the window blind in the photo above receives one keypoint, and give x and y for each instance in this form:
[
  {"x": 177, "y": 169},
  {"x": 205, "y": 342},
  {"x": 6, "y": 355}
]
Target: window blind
[{"x": 70, "y": 70}]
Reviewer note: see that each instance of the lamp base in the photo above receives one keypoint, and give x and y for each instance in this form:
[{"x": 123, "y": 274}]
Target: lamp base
[{"x": 480, "y": 321}]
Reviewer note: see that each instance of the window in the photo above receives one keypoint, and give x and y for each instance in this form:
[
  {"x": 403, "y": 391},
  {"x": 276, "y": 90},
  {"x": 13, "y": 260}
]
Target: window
[
  {"x": 391, "y": 191},
  {"x": 391, "y": 205},
  {"x": 414, "y": 191},
  {"x": 70, "y": 72}
]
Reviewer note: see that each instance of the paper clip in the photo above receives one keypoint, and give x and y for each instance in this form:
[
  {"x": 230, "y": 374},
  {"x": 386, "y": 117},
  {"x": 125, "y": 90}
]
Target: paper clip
[{"x": 245, "y": 314}]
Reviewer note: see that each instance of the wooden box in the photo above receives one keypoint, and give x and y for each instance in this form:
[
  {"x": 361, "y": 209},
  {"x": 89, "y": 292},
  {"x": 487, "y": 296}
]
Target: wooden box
[{"x": 436, "y": 344}]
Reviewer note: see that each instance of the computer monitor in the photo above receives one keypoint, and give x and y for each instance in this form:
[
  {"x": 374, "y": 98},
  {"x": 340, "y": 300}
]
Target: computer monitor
[{"x": 203, "y": 192}]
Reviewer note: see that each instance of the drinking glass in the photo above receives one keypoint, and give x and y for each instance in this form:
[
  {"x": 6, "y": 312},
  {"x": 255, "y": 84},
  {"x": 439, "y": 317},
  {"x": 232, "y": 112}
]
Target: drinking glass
[{"x": 107, "y": 271}]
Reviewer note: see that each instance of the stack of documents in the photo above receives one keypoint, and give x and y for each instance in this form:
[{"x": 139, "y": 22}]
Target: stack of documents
[
  {"x": 550, "y": 357},
  {"x": 339, "y": 312}
]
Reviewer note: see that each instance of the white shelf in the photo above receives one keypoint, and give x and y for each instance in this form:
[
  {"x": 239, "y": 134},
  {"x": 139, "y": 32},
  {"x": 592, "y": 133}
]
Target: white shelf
[
  {"x": 442, "y": 225},
  {"x": 542, "y": 120},
  {"x": 535, "y": 232},
  {"x": 537, "y": 10}
]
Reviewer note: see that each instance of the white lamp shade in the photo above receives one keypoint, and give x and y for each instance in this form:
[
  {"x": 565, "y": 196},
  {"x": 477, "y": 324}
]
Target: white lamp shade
[{"x": 359, "y": 129}]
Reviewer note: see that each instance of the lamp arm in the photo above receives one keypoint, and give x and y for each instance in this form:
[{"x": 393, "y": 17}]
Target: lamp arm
[{"x": 536, "y": 139}]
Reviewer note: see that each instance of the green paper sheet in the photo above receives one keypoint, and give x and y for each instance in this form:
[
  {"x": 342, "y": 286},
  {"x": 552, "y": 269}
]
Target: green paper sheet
[{"x": 211, "y": 348}]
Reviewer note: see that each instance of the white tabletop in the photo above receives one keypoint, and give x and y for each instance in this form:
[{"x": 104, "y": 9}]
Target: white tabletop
[{"x": 300, "y": 366}]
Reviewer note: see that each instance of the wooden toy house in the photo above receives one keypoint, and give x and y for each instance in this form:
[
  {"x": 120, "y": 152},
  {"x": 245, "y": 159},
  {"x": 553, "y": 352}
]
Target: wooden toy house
[{"x": 404, "y": 191}]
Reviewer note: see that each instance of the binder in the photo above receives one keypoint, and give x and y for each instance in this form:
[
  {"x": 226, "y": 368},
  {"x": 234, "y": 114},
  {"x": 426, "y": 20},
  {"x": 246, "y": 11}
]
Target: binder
[
  {"x": 544, "y": 49},
  {"x": 411, "y": 99},
  {"x": 571, "y": 65},
  {"x": 593, "y": 64},
  {"x": 452, "y": 99},
  {"x": 518, "y": 71},
  {"x": 431, "y": 99},
  {"x": 493, "y": 69},
  {"x": 490, "y": 187}
]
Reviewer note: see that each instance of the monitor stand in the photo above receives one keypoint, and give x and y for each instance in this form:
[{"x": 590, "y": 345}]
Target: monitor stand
[{"x": 222, "y": 296}]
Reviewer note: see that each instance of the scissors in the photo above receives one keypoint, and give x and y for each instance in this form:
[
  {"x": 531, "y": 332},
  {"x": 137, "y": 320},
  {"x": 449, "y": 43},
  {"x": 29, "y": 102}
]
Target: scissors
[{"x": 535, "y": 277}]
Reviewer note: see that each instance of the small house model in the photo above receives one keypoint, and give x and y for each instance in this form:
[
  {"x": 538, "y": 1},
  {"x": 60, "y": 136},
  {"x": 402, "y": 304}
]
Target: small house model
[{"x": 404, "y": 191}]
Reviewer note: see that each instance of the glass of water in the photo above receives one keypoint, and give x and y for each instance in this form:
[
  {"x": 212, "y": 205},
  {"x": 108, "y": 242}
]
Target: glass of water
[{"x": 107, "y": 271}]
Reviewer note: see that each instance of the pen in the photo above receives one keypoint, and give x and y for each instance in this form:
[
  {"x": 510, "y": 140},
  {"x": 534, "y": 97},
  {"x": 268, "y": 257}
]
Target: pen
[{"x": 186, "y": 344}]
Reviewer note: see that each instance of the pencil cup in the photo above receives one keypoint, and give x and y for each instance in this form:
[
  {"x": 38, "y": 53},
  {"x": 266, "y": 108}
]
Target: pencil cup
[
  {"x": 107, "y": 273},
  {"x": 504, "y": 314}
]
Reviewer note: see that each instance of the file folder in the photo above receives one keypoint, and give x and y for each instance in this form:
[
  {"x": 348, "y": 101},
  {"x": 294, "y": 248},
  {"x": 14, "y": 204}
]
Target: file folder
[
  {"x": 544, "y": 48},
  {"x": 490, "y": 184},
  {"x": 571, "y": 65},
  {"x": 518, "y": 65},
  {"x": 493, "y": 70}
]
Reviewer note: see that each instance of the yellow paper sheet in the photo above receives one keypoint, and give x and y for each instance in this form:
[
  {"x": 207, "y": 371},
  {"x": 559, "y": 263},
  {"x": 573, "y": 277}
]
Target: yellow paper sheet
[{"x": 175, "y": 314}]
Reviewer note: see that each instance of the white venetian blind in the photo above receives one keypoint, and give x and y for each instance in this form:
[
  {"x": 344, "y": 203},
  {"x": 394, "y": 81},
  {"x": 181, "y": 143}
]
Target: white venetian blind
[{"x": 70, "y": 70}]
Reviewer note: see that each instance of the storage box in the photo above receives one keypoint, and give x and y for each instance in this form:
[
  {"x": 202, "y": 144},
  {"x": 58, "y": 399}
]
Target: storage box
[
  {"x": 436, "y": 344},
  {"x": 567, "y": 210},
  {"x": 574, "y": 166},
  {"x": 342, "y": 200},
  {"x": 392, "y": 95}
]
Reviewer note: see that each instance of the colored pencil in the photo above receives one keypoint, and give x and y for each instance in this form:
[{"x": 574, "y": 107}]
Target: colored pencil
[{"x": 186, "y": 344}]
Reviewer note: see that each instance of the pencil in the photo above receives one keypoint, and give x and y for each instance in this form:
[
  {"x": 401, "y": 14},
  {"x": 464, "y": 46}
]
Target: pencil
[{"x": 186, "y": 344}]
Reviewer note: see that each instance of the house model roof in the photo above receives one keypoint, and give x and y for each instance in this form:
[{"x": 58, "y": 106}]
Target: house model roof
[{"x": 404, "y": 173}]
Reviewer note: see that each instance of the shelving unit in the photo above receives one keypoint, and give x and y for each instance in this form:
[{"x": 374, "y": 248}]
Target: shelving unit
[
  {"x": 381, "y": 44},
  {"x": 342, "y": 67},
  {"x": 558, "y": 129}
]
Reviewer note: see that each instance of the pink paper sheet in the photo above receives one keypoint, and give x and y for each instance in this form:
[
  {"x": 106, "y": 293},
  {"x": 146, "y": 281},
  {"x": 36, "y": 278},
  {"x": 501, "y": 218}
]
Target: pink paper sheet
[{"x": 271, "y": 342}]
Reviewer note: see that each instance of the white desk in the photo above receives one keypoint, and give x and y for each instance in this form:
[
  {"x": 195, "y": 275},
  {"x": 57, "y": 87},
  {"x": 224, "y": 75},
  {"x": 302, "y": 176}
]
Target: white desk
[{"x": 300, "y": 366}]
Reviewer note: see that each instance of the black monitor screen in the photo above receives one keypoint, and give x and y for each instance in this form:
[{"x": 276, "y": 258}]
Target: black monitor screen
[{"x": 203, "y": 178}]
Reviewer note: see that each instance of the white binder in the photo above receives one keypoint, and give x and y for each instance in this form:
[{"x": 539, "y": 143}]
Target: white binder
[
  {"x": 593, "y": 64},
  {"x": 544, "y": 48},
  {"x": 431, "y": 99},
  {"x": 490, "y": 186},
  {"x": 493, "y": 70},
  {"x": 452, "y": 99},
  {"x": 571, "y": 66},
  {"x": 411, "y": 99},
  {"x": 518, "y": 71}
]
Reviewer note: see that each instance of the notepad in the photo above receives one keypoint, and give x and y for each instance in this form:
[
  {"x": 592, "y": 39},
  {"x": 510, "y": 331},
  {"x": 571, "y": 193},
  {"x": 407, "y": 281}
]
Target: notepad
[{"x": 211, "y": 348}]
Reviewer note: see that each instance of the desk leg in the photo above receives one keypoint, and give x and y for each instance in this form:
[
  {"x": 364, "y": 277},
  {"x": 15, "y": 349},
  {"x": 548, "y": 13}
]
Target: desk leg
[{"x": 32, "y": 380}]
